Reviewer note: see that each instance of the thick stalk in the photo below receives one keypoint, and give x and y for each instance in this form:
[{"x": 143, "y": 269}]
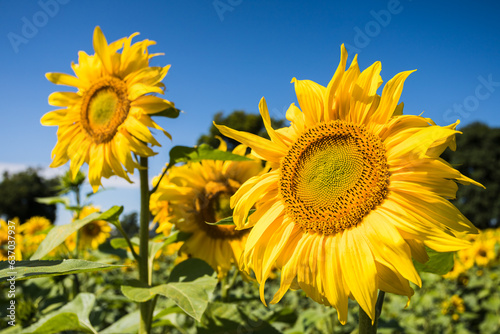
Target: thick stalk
[
  {"x": 145, "y": 308},
  {"x": 365, "y": 323}
]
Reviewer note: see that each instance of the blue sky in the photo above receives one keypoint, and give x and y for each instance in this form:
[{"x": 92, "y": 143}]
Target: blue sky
[{"x": 227, "y": 54}]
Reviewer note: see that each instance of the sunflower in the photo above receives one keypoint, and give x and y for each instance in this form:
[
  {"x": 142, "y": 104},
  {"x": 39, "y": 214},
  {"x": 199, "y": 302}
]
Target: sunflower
[
  {"x": 483, "y": 250},
  {"x": 91, "y": 235},
  {"x": 16, "y": 244},
  {"x": 356, "y": 190},
  {"x": 33, "y": 231},
  {"x": 108, "y": 117},
  {"x": 454, "y": 306},
  {"x": 193, "y": 194}
]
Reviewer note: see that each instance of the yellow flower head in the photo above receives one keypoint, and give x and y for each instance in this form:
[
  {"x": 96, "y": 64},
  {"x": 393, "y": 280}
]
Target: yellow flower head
[
  {"x": 33, "y": 231},
  {"x": 16, "y": 241},
  {"x": 107, "y": 119},
  {"x": 93, "y": 234},
  {"x": 196, "y": 193},
  {"x": 454, "y": 306},
  {"x": 356, "y": 190},
  {"x": 483, "y": 250}
]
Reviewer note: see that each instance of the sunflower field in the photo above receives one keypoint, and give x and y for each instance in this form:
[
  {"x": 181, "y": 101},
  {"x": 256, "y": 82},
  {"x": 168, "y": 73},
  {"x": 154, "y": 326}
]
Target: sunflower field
[{"x": 341, "y": 218}]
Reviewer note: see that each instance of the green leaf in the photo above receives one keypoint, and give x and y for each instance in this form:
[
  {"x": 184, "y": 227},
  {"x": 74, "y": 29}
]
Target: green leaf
[
  {"x": 229, "y": 220},
  {"x": 190, "y": 270},
  {"x": 128, "y": 324},
  {"x": 59, "y": 233},
  {"x": 170, "y": 112},
  {"x": 137, "y": 292},
  {"x": 53, "y": 200},
  {"x": 221, "y": 318},
  {"x": 32, "y": 269},
  {"x": 202, "y": 152},
  {"x": 112, "y": 214},
  {"x": 190, "y": 286},
  {"x": 438, "y": 263},
  {"x": 73, "y": 316},
  {"x": 177, "y": 236},
  {"x": 153, "y": 248},
  {"x": 117, "y": 243}
]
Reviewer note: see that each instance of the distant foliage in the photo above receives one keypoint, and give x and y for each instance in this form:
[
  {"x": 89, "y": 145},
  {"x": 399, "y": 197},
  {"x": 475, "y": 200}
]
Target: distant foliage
[
  {"x": 478, "y": 157},
  {"x": 238, "y": 120},
  {"x": 18, "y": 192}
]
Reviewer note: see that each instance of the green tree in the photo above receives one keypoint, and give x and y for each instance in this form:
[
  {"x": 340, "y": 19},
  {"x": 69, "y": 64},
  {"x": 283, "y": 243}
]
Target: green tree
[
  {"x": 478, "y": 157},
  {"x": 18, "y": 193},
  {"x": 238, "y": 120},
  {"x": 130, "y": 224}
]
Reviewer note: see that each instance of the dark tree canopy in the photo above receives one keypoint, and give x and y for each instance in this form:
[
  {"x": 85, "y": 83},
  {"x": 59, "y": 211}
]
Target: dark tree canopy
[
  {"x": 129, "y": 224},
  {"x": 478, "y": 157},
  {"x": 18, "y": 192},
  {"x": 238, "y": 120}
]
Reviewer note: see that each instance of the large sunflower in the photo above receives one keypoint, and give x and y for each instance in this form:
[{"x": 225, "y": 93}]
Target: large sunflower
[
  {"x": 196, "y": 193},
  {"x": 108, "y": 117},
  {"x": 356, "y": 191}
]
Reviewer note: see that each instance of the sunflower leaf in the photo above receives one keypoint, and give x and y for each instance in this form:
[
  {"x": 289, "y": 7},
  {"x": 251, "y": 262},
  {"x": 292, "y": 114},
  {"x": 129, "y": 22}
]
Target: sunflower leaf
[
  {"x": 73, "y": 316},
  {"x": 53, "y": 200},
  {"x": 221, "y": 318},
  {"x": 127, "y": 324},
  {"x": 23, "y": 270},
  {"x": 438, "y": 263},
  {"x": 118, "y": 243},
  {"x": 59, "y": 233},
  {"x": 202, "y": 152},
  {"x": 229, "y": 220},
  {"x": 177, "y": 236},
  {"x": 170, "y": 112},
  {"x": 190, "y": 286}
]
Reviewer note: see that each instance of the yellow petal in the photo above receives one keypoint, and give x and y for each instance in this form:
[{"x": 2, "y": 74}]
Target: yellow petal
[
  {"x": 359, "y": 269},
  {"x": 333, "y": 277},
  {"x": 64, "y": 79},
  {"x": 363, "y": 94},
  {"x": 101, "y": 49},
  {"x": 388, "y": 247},
  {"x": 63, "y": 99},
  {"x": 269, "y": 150},
  {"x": 331, "y": 111},
  {"x": 54, "y": 118},
  {"x": 390, "y": 97},
  {"x": 275, "y": 137},
  {"x": 151, "y": 104},
  {"x": 310, "y": 96}
]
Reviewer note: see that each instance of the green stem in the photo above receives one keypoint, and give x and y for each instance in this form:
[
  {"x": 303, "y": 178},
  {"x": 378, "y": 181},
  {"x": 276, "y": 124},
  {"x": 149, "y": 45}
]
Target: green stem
[
  {"x": 76, "y": 281},
  {"x": 224, "y": 288},
  {"x": 127, "y": 239},
  {"x": 146, "y": 307},
  {"x": 365, "y": 323}
]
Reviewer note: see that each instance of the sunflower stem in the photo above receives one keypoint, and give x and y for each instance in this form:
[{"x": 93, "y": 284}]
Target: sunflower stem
[
  {"x": 224, "y": 289},
  {"x": 365, "y": 323},
  {"x": 146, "y": 307},
  {"x": 159, "y": 180},
  {"x": 127, "y": 239}
]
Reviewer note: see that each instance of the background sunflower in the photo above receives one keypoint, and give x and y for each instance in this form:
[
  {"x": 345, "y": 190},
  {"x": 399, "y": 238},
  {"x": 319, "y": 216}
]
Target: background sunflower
[
  {"x": 108, "y": 118},
  {"x": 191, "y": 195}
]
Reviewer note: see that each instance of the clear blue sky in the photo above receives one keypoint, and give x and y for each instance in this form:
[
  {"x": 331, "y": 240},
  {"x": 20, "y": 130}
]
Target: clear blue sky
[{"x": 227, "y": 54}]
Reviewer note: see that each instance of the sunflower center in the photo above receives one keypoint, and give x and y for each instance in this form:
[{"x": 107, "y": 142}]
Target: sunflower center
[
  {"x": 333, "y": 176},
  {"x": 92, "y": 230},
  {"x": 105, "y": 106},
  {"x": 213, "y": 206}
]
